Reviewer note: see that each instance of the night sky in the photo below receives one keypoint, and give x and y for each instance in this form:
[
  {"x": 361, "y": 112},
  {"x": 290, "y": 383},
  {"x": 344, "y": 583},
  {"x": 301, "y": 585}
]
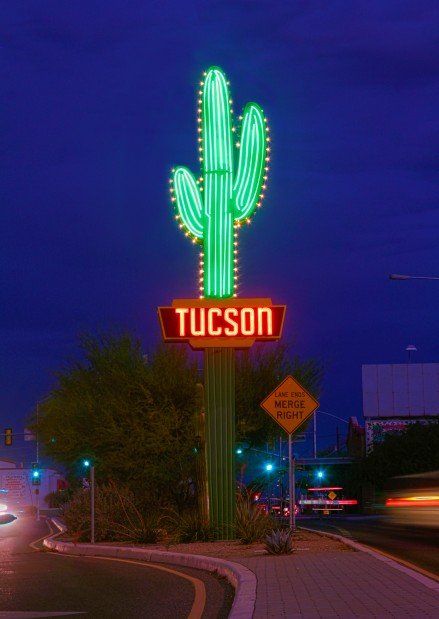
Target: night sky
[{"x": 99, "y": 102}]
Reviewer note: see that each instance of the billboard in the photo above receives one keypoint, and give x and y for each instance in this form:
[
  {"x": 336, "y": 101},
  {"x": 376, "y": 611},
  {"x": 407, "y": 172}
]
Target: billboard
[{"x": 401, "y": 390}]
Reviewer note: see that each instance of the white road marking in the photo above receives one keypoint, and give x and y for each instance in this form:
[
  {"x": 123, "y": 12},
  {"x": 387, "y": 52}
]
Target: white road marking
[{"x": 30, "y": 614}]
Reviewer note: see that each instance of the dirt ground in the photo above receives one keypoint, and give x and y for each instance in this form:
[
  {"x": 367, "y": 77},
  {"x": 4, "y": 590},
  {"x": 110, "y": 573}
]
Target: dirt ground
[{"x": 304, "y": 542}]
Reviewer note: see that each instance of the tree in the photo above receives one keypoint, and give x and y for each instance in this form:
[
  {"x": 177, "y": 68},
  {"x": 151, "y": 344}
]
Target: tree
[
  {"x": 135, "y": 419},
  {"x": 416, "y": 450},
  {"x": 258, "y": 372},
  {"x": 140, "y": 421}
]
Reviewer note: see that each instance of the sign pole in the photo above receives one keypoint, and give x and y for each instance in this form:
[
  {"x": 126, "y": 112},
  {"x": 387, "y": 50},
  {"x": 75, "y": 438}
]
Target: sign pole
[
  {"x": 291, "y": 484},
  {"x": 37, "y": 492},
  {"x": 219, "y": 382},
  {"x": 290, "y": 480},
  {"x": 290, "y": 405},
  {"x": 218, "y": 322}
]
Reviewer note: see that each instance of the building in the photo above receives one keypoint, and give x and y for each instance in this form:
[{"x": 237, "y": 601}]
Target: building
[
  {"x": 18, "y": 492},
  {"x": 395, "y": 395},
  {"x": 355, "y": 441}
]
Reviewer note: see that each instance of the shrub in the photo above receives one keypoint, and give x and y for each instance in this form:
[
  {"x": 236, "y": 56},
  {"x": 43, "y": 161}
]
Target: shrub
[
  {"x": 59, "y": 498},
  {"x": 189, "y": 527},
  {"x": 134, "y": 526},
  {"x": 252, "y": 524},
  {"x": 117, "y": 516},
  {"x": 279, "y": 542}
]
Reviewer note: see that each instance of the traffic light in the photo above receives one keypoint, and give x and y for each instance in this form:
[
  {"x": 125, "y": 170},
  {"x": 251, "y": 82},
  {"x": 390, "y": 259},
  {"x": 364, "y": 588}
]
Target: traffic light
[
  {"x": 36, "y": 474},
  {"x": 269, "y": 467},
  {"x": 320, "y": 474},
  {"x": 8, "y": 437}
]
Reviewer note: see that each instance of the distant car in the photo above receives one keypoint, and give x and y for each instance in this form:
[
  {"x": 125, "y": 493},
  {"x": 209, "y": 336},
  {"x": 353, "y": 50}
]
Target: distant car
[{"x": 7, "y": 518}]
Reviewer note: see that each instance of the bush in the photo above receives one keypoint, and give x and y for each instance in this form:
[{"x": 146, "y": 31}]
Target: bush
[
  {"x": 135, "y": 526},
  {"x": 117, "y": 516},
  {"x": 252, "y": 524},
  {"x": 279, "y": 542},
  {"x": 188, "y": 527},
  {"x": 59, "y": 498}
]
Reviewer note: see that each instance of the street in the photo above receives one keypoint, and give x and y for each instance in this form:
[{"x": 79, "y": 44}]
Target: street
[
  {"x": 40, "y": 583},
  {"x": 416, "y": 545}
]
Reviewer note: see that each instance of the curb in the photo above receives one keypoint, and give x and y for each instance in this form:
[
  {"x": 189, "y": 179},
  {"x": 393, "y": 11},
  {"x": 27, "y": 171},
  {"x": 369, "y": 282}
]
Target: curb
[
  {"x": 425, "y": 580},
  {"x": 241, "y": 578}
]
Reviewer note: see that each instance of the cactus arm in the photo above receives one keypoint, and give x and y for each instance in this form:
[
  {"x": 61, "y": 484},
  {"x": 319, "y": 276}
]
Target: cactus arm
[
  {"x": 251, "y": 163},
  {"x": 218, "y": 170},
  {"x": 188, "y": 200}
]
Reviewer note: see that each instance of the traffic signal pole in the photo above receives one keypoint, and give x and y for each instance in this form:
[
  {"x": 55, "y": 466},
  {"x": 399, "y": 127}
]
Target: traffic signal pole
[{"x": 92, "y": 504}]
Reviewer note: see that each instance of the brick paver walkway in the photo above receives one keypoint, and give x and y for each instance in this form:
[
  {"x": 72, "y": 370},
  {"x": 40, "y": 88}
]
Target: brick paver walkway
[{"x": 338, "y": 585}]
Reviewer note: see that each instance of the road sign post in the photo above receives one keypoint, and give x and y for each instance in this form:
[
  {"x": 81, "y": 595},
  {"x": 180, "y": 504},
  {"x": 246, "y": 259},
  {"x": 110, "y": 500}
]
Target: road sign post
[
  {"x": 290, "y": 405},
  {"x": 291, "y": 485}
]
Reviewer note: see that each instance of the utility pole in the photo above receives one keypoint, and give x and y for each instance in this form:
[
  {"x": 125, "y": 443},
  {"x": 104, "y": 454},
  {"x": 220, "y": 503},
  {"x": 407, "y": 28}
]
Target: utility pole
[
  {"x": 315, "y": 434},
  {"x": 38, "y": 420},
  {"x": 37, "y": 491}
]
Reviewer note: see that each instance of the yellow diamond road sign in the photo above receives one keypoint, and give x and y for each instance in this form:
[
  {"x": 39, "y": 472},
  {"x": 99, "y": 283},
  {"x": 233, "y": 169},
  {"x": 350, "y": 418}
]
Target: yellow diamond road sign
[
  {"x": 331, "y": 495},
  {"x": 290, "y": 404}
]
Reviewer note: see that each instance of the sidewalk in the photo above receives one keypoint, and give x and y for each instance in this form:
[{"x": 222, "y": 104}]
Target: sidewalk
[{"x": 335, "y": 584}]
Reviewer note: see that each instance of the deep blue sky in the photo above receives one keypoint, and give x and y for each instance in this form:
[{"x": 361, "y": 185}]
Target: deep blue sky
[{"x": 98, "y": 102}]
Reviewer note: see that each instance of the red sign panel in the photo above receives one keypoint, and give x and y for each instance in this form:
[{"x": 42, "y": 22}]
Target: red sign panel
[{"x": 232, "y": 323}]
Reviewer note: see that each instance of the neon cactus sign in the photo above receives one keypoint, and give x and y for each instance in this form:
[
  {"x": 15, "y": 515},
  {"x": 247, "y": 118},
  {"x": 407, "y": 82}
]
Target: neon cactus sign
[{"x": 212, "y": 208}]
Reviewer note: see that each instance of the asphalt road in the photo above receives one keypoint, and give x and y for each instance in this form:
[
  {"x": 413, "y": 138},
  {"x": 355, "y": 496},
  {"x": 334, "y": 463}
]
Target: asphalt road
[
  {"x": 415, "y": 545},
  {"x": 34, "y": 584}
]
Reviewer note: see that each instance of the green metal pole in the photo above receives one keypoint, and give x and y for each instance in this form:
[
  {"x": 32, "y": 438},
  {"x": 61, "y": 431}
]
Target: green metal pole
[
  {"x": 219, "y": 376},
  {"x": 201, "y": 466}
]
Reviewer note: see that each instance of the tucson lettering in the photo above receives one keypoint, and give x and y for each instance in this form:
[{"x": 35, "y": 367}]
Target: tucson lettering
[{"x": 224, "y": 321}]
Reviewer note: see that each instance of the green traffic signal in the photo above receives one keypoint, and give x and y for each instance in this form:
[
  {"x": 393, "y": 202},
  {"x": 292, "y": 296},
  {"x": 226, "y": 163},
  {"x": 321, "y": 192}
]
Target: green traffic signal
[{"x": 36, "y": 474}]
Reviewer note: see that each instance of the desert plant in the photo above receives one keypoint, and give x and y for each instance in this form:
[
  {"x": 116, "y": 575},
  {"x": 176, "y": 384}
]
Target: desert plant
[
  {"x": 188, "y": 527},
  {"x": 134, "y": 526},
  {"x": 279, "y": 542},
  {"x": 252, "y": 523},
  {"x": 58, "y": 499},
  {"x": 117, "y": 516}
]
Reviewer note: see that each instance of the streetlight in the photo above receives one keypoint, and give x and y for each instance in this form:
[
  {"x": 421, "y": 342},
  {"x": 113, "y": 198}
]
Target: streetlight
[
  {"x": 396, "y": 276},
  {"x": 88, "y": 464}
]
